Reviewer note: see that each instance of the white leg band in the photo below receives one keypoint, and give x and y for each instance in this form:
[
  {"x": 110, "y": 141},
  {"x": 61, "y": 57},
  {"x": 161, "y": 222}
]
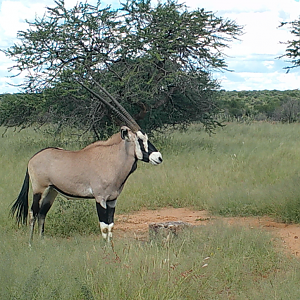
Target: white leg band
[{"x": 106, "y": 230}]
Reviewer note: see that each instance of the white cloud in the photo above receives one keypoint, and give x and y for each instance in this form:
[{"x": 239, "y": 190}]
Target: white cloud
[
  {"x": 291, "y": 7},
  {"x": 261, "y": 34},
  {"x": 14, "y": 13},
  {"x": 253, "y": 57},
  {"x": 270, "y": 64},
  {"x": 12, "y": 18},
  {"x": 260, "y": 81}
]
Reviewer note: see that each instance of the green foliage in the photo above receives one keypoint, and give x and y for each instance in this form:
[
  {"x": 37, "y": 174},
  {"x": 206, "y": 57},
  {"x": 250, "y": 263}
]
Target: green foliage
[
  {"x": 293, "y": 46},
  {"x": 273, "y": 105},
  {"x": 156, "y": 60},
  {"x": 71, "y": 217},
  {"x": 18, "y": 110}
]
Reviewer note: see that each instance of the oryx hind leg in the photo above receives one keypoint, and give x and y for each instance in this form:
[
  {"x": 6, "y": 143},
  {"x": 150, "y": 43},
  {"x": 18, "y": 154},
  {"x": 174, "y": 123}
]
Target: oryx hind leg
[
  {"x": 35, "y": 208},
  {"x": 106, "y": 218},
  {"x": 45, "y": 204},
  {"x": 39, "y": 209}
]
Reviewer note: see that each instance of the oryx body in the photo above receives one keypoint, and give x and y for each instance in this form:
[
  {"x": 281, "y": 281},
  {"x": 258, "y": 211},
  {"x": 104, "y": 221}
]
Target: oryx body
[{"x": 99, "y": 171}]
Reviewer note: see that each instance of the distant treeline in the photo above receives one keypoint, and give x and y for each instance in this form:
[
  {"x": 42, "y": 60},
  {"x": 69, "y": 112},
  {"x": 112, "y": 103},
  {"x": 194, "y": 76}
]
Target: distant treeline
[
  {"x": 284, "y": 106},
  {"x": 273, "y": 105}
]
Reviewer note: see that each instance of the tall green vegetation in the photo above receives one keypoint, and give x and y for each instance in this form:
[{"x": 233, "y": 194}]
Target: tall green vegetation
[
  {"x": 241, "y": 170},
  {"x": 283, "y": 106},
  {"x": 157, "y": 60},
  {"x": 278, "y": 106}
]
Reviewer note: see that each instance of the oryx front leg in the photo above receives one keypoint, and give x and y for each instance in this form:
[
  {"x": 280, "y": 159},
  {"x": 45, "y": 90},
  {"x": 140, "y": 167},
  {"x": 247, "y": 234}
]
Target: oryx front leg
[{"x": 106, "y": 211}]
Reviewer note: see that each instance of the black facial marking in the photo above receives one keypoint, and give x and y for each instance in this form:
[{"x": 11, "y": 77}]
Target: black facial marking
[
  {"x": 141, "y": 143},
  {"x": 151, "y": 148},
  {"x": 145, "y": 154}
]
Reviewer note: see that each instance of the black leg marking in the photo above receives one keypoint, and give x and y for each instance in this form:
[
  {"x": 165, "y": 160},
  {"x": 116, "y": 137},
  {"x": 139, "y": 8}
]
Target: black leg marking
[
  {"x": 35, "y": 207},
  {"x": 106, "y": 218},
  {"x": 106, "y": 215},
  {"x": 42, "y": 216},
  {"x": 102, "y": 213},
  {"x": 44, "y": 209},
  {"x": 110, "y": 214}
]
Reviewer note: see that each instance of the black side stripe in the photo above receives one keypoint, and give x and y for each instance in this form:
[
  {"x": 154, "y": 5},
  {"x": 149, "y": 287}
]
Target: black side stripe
[{"x": 70, "y": 195}]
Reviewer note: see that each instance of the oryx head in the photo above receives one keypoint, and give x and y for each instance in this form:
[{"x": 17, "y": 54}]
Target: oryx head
[{"x": 144, "y": 149}]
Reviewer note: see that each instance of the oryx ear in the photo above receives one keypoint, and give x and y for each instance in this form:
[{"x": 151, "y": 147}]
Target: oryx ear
[{"x": 124, "y": 133}]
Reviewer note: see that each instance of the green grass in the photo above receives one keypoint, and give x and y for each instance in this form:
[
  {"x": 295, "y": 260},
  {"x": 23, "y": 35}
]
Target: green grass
[
  {"x": 210, "y": 262},
  {"x": 240, "y": 170}
]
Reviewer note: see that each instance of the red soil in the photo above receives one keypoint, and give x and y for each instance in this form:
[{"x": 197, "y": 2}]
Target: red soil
[{"x": 136, "y": 225}]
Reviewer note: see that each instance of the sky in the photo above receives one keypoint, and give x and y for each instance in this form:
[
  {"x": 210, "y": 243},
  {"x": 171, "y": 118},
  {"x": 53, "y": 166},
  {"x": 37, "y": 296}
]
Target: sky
[{"x": 253, "y": 59}]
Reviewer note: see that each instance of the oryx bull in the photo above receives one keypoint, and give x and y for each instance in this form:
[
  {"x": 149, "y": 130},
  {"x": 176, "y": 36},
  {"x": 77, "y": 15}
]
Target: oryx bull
[{"x": 99, "y": 171}]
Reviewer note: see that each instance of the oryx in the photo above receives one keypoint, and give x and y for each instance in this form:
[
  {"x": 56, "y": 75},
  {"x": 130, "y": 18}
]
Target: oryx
[{"x": 99, "y": 171}]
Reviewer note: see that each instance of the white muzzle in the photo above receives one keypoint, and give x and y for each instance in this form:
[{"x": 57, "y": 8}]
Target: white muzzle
[{"x": 155, "y": 158}]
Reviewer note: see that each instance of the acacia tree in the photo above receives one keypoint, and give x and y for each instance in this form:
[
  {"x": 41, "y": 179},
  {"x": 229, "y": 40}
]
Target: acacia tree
[
  {"x": 157, "y": 61},
  {"x": 293, "y": 46}
]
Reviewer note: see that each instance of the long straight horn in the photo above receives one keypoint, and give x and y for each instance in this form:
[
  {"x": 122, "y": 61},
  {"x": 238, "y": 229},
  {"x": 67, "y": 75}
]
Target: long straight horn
[
  {"x": 135, "y": 125},
  {"x": 117, "y": 112}
]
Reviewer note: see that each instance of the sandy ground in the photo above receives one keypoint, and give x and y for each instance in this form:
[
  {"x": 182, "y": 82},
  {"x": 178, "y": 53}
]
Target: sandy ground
[{"x": 136, "y": 225}]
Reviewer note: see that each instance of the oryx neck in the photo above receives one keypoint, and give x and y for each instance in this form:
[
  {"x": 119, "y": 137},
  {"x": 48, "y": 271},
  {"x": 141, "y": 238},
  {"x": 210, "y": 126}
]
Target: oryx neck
[{"x": 113, "y": 140}]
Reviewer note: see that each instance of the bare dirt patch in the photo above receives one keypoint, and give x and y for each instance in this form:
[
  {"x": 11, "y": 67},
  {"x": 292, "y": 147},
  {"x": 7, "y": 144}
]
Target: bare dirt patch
[{"x": 137, "y": 224}]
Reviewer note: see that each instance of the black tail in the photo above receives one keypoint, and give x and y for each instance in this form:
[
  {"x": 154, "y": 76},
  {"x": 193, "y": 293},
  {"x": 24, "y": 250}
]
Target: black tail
[{"x": 20, "y": 207}]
